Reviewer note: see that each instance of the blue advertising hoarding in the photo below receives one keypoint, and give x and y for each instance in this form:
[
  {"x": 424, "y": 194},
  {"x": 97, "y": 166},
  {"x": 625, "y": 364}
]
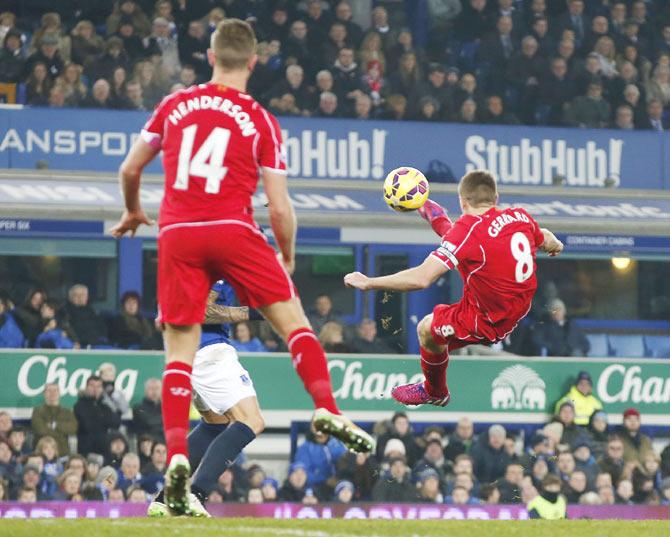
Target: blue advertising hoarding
[{"x": 97, "y": 140}]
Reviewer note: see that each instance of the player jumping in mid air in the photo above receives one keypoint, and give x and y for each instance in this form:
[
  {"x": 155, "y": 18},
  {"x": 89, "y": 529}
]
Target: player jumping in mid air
[
  {"x": 224, "y": 395},
  {"x": 494, "y": 250},
  {"x": 216, "y": 141}
]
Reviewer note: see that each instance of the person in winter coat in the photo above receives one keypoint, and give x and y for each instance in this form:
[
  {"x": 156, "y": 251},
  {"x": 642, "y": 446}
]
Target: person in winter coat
[
  {"x": 394, "y": 484},
  {"x": 129, "y": 329},
  {"x": 11, "y": 336},
  {"x": 558, "y": 336},
  {"x": 95, "y": 418},
  {"x": 489, "y": 455},
  {"x": 581, "y": 396},
  {"x": 88, "y": 326},
  {"x": 295, "y": 486},
  {"x": 401, "y": 429},
  {"x": 147, "y": 417},
  {"x": 319, "y": 454},
  {"x": 53, "y": 419},
  {"x": 56, "y": 333}
]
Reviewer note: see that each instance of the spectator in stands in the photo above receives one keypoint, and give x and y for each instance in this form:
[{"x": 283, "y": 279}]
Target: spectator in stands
[
  {"x": 95, "y": 418},
  {"x": 319, "y": 455},
  {"x": 360, "y": 469},
  {"x": 665, "y": 491},
  {"x": 489, "y": 455},
  {"x": 88, "y": 326},
  {"x": 71, "y": 84},
  {"x": 613, "y": 462},
  {"x": 113, "y": 56},
  {"x": 106, "y": 481},
  {"x": 295, "y": 486},
  {"x": 367, "y": 340},
  {"x": 371, "y": 50},
  {"x": 56, "y": 332},
  {"x": 28, "y": 315},
  {"x": 658, "y": 88},
  {"x": 433, "y": 458},
  {"x": 558, "y": 336},
  {"x": 322, "y": 312},
  {"x": 130, "y": 329},
  {"x": 331, "y": 337},
  {"x": 153, "y": 85},
  {"x": 363, "y": 107},
  {"x": 624, "y": 492},
  {"x": 589, "y": 110},
  {"x": 244, "y": 340},
  {"x": 47, "y": 448},
  {"x": 163, "y": 43},
  {"x": 113, "y": 398},
  {"x": 467, "y": 112},
  {"x": 328, "y": 106},
  {"x": 270, "y": 490},
  {"x": 294, "y": 84},
  {"x": 496, "y": 50},
  {"x": 8, "y": 466},
  {"x": 585, "y": 461},
  {"x": 12, "y": 61},
  {"x": 297, "y": 49},
  {"x": 193, "y": 48},
  {"x": 572, "y": 433},
  {"x": 133, "y": 44},
  {"x": 400, "y": 429},
  {"x": 428, "y": 109},
  {"x": 147, "y": 417},
  {"x": 117, "y": 447},
  {"x": 347, "y": 79},
  {"x": 100, "y": 97},
  {"x": 153, "y": 472},
  {"x": 69, "y": 487},
  {"x": 598, "y": 432},
  {"x": 131, "y": 10},
  {"x": 637, "y": 446},
  {"x": 132, "y": 100},
  {"x": 129, "y": 471},
  {"x": 394, "y": 484},
  {"x": 655, "y": 120},
  {"x": 54, "y": 420},
  {"x": 582, "y": 398},
  {"x": 495, "y": 113},
  {"x": 17, "y": 441},
  {"x": 382, "y": 26},
  {"x": 48, "y": 55},
  {"x": 474, "y": 22},
  {"x": 461, "y": 440},
  {"x": 6, "y": 424},
  {"x": 38, "y": 85},
  {"x": 10, "y": 333},
  {"x": 86, "y": 44},
  {"x": 510, "y": 485},
  {"x": 428, "y": 487},
  {"x": 336, "y": 41}
]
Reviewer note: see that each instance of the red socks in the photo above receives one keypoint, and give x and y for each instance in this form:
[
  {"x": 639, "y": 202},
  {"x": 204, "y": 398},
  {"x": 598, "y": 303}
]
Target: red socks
[
  {"x": 310, "y": 363},
  {"x": 434, "y": 367},
  {"x": 176, "y": 404}
]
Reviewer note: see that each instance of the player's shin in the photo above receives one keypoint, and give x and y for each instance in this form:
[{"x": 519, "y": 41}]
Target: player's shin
[
  {"x": 176, "y": 404},
  {"x": 221, "y": 455},
  {"x": 310, "y": 363},
  {"x": 434, "y": 367},
  {"x": 200, "y": 438}
]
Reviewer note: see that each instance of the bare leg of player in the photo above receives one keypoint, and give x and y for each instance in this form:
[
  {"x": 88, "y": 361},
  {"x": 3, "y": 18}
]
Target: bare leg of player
[
  {"x": 181, "y": 344},
  {"x": 309, "y": 360},
  {"x": 434, "y": 363}
]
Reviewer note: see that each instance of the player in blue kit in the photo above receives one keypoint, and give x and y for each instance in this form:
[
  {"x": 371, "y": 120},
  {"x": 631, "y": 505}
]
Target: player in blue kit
[{"x": 225, "y": 397}]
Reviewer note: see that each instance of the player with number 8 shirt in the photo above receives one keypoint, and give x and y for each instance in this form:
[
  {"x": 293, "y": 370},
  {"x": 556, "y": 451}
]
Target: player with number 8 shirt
[
  {"x": 217, "y": 141},
  {"x": 494, "y": 250}
]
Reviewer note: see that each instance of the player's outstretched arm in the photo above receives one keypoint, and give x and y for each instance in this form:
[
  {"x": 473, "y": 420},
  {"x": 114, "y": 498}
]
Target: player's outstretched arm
[
  {"x": 219, "y": 314},
  {"x": 421, "y": 277},
  {"x": 282, "y": 215},
  {"x": 551, "y": 244},
  {"x": 141, "y": 153}
]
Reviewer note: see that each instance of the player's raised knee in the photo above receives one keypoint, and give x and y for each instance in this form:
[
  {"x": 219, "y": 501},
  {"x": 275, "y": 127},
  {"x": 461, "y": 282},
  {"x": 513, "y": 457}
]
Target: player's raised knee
[{"x": 423, "y": 330}]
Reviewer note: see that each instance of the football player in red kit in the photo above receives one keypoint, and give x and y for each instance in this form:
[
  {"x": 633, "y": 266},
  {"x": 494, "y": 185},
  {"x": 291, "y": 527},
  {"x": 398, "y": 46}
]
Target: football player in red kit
[
  {"x": 216, "y": 141},
  {"x": 494, "y": 250}
]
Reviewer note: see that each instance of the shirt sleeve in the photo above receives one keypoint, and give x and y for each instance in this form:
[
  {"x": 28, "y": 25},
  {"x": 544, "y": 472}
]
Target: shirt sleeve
[
  {"x": 152, "y": 132},
  {"x": 537, "y": 232},
  {"x": 270, "y": 152},
  {"x": 455, "y": 244}
]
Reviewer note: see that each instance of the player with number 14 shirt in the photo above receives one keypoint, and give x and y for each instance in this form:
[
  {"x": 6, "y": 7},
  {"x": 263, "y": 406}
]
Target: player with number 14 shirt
[{"x": 494, "y": 251}]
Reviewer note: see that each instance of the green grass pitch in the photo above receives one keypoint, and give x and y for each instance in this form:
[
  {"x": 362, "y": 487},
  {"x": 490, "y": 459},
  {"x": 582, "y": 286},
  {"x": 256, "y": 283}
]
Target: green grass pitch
[{"x": 238, "y": 527}]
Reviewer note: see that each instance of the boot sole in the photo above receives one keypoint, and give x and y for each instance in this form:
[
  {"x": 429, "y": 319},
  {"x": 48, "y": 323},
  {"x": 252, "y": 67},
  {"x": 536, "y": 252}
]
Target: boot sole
[{"x": 353, "y": 439}]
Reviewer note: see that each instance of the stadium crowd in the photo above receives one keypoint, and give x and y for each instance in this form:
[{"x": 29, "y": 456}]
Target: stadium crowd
[
  {"x": 44, "y": 323},
  {"x": 582, "y": 63},
  {"x": 595, "y": 462}
]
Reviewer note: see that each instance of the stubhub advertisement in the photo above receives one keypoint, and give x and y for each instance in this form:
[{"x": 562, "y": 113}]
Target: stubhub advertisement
[{"x": 97, "y": 140}]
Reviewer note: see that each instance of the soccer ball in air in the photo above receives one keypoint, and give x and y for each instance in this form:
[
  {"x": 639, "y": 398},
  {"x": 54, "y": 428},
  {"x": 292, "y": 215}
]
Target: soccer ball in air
[{"x": 405, "y": 189}]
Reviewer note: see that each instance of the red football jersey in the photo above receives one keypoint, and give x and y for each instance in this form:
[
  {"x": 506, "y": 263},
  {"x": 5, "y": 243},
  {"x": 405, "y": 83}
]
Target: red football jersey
[
  {"x": 495, "y": 254},
  {"x": 214, "y": 140}
]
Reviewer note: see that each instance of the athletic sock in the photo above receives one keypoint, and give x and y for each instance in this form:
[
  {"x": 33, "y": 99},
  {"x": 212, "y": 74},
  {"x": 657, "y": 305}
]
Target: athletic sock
[
  {"x": 310, "y": 363},
  {"x": 176, "y": 404},
  {"x": 221, "y": 455},
  {"x": 199, "y": 439},
  {"x": 434, "y": 367}
]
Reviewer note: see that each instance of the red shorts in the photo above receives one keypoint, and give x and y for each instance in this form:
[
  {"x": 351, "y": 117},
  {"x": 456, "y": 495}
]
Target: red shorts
[
  {"x": 191, "y": 257},
  {"x": 461, "y": 324}
]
